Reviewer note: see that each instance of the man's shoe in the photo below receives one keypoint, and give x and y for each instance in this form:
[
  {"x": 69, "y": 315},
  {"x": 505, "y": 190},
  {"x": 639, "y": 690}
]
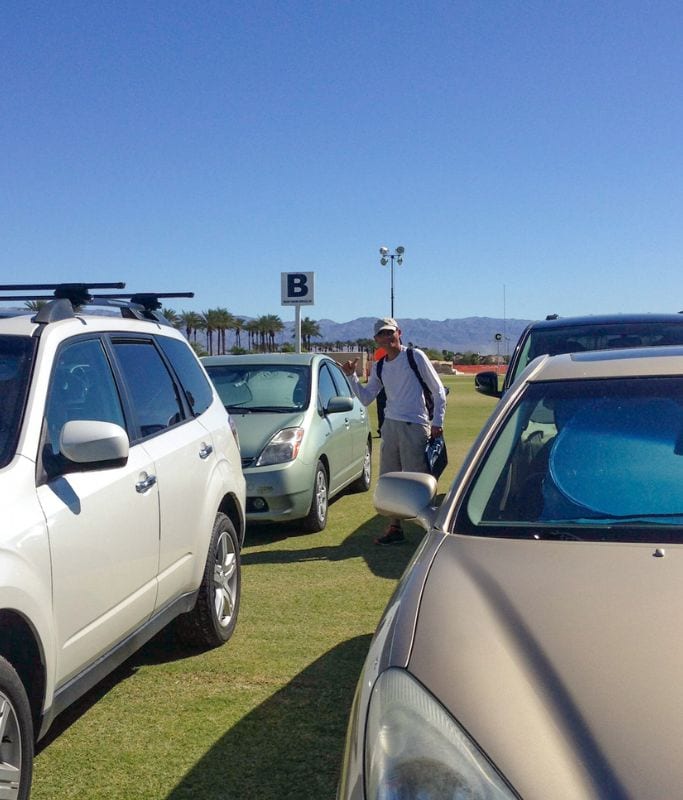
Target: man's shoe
[{"x": 392, "y": 535}]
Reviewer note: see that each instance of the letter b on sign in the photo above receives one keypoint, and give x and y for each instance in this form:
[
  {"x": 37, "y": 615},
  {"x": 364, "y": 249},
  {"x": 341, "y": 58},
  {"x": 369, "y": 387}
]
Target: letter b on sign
[{"x": 297, "y": 288}]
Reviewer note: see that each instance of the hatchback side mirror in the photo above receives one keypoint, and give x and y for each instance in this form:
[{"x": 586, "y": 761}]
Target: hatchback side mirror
[{"x": 335, "y": 405}]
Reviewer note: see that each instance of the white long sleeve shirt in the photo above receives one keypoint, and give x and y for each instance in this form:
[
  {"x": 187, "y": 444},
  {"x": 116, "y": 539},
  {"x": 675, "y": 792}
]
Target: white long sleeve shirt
[{"x": 405, "y": 398}]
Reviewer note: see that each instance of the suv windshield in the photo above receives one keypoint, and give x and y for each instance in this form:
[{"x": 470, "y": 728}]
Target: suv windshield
[
  {"x": 261, "y": 387},
  {"x": 16, "y": 358},
  {"x": 577, "y": 338},
  {"x": 593, "y": 459}
]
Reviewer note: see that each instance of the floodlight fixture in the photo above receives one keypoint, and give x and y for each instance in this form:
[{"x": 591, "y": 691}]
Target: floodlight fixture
[{"x": 384, "y": 260}]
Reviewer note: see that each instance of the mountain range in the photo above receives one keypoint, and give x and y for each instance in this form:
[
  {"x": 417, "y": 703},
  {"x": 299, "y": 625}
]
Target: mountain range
[{"x": 470, "y": 334}]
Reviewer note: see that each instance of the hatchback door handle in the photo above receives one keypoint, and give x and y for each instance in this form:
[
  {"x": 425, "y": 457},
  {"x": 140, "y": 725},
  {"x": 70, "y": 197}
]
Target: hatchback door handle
[
  {"x": 206, "y": 451},
  {"x": 146, "y": 483}
]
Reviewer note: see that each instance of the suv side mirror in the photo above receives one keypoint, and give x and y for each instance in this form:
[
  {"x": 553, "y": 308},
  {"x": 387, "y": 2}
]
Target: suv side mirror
[
  {"x": 487, "y": 383},
  {"x": 90, "y": 442}
]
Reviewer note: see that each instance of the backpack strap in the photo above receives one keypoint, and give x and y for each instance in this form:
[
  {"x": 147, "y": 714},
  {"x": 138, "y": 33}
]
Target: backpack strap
[
  {"x": 378, "y": 368},
  {"x": 429, "y": 399}
]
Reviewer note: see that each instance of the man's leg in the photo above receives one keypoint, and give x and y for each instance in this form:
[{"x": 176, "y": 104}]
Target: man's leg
[
  {"x": 390, "y": 461},
  {"x": 413, "y": 440}
]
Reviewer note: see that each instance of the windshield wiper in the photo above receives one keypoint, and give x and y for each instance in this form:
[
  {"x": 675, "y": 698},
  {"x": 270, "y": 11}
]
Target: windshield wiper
[
  {"x": 563, "y": 534},
  {"x": 272, "y": 409}
]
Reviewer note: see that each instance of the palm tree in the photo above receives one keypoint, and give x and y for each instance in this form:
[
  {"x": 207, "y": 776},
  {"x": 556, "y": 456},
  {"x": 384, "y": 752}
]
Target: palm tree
[
  {"x": 252, "y": 328},
  {"x": 238, "y": 324},
  {"x": 309, "y": 328},
  {"x": 35, "y": 305},
  {"x": 273, "y": 326},
  {"x": 172, "y": 316},
  {"x": 223, "y": 321},
  {"x": 261, "y": 330},
  {"x": 210, "y": 322},
  {"x": 191, "y": 321}
]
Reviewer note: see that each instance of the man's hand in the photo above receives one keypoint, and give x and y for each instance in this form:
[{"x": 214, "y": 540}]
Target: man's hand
[
  {"x": 349, "y": 367},
  {"x": 436, "y": 432}
]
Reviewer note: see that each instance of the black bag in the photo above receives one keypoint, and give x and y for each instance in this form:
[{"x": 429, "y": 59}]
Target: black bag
[{"x": 437, "y": 456}]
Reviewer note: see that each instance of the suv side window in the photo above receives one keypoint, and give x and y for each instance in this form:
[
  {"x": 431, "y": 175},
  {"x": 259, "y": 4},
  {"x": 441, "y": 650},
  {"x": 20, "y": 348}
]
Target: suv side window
[
  {"x": 195, "y": 384},
  {"x": 82, "y": 387},
  {"x": 156, "y": 405}
]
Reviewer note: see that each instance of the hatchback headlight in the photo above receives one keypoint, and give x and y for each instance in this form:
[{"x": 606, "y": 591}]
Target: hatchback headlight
[
  {"x": 414, "y": 748},
  {"x": 283, "y": 447}
]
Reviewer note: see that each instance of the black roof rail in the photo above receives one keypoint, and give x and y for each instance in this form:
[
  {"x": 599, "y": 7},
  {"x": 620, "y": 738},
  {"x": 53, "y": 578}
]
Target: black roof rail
[
  {"x": 552, "y": 316},
  {"x": 67, "y": 297}
]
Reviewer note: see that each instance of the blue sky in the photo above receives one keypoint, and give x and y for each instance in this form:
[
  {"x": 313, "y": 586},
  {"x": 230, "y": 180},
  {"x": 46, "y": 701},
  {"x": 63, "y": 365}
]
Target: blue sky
[{"x": 528, "y": 155}]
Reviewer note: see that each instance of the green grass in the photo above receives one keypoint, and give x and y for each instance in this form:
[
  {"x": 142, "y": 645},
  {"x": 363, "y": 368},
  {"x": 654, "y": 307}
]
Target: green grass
[{"x": 263, "y": 718}]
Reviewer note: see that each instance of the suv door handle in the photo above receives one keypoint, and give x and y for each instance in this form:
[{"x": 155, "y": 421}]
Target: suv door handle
[
  {"x": 146, "y": 483},
  {"x": 206, "y": 451}
]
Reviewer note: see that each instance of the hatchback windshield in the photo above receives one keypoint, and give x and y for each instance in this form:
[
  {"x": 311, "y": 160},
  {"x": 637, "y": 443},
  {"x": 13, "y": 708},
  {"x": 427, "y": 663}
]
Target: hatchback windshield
[
  {"x": 598, "y": 459},
  {"x": 263, "y": 387},
  {"x": 593, "y": 336},
  {"x": 16, "y": 357}
]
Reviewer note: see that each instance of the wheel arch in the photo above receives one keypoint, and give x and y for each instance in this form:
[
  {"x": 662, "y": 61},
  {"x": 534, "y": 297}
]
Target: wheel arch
[
  {"x": 232, "y": 509},
  {"x": 21, "y": 647}
]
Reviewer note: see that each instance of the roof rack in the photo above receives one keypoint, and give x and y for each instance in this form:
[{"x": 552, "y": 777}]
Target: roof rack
[{"x": 67, "y": 298}]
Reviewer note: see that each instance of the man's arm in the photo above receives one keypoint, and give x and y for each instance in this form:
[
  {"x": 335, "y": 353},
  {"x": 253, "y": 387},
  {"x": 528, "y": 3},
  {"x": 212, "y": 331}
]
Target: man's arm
[
  {"x": 365, "y": 393},
  {"x": 431, "y": 378}
]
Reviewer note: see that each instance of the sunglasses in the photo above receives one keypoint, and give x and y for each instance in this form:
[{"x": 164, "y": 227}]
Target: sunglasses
[{"x": 385, "y": 333}]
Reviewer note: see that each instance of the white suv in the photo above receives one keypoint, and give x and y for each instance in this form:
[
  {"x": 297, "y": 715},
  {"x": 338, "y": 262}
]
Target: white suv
[{"x": 122, "y": 506}]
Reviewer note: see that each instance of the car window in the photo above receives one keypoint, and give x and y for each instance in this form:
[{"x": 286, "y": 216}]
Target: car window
[
  {"x": 261, "y": 387},
  {"x": 595, "y": 336},
  {"x": 326, "y": 387},
  {"x": 196, "y": 386},
  {"x": 340, "y": 381},
  {"x": 16, "y": 359},
  {"x": 153, "y": 394},
  {"x": 82, "y": 386},
  {"x": 585, "y": 454}
]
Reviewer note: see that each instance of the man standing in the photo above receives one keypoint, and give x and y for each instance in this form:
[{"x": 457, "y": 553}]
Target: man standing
[{"x": 407, "y": 426}]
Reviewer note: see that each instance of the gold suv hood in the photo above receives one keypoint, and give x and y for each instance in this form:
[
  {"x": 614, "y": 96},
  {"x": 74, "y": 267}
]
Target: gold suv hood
[{"x": 562, "y": 659}]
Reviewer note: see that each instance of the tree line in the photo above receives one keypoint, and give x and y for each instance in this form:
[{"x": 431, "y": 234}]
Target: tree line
[{"x": 258, "y": 335}]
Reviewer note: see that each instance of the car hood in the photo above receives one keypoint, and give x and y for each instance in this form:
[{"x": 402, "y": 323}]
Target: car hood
[
  {"x": 563, "y": 660},
  {"x": 256, "y": 429}
]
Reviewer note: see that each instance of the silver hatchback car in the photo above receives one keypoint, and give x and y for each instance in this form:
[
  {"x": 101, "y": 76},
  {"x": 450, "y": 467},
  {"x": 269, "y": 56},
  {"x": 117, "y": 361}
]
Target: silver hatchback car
[
  {"x": 531, "y": 649},
  {"x": 304, "y": 436}
]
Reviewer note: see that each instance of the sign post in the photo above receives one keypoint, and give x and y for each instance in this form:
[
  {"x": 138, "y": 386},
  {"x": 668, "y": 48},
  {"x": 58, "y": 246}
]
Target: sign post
[{"x": 297, "y": 290}]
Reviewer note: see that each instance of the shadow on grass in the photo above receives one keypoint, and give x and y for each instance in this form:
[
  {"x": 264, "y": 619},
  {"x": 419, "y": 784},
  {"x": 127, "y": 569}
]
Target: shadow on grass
[
  {"x": 163, "y": 648},
  {"x": 383, "y": 561},
  {"x": 266, "y": 756}
]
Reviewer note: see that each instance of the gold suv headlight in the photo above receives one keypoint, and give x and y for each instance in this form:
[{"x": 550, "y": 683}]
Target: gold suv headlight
[{"x": 414, "y": 748}]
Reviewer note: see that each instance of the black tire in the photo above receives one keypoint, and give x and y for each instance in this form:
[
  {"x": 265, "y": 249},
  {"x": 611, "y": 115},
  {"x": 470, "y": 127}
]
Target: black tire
[
  {"x": 212, "y": 621},
  {"x": 16, "y": 735},
  {"x": 362, "y": 484},
  {"x": 317, "y": 516}
]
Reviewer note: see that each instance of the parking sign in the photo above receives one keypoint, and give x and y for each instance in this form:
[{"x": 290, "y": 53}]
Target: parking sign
[{"x": 297, "y": 288}]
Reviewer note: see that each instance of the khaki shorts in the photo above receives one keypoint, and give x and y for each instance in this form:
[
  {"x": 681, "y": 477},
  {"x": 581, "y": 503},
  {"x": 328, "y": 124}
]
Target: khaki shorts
[{"x": 403, "y": 447}]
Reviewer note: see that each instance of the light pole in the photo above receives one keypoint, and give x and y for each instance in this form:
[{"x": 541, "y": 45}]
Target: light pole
[{"x": 385, "y": 255}]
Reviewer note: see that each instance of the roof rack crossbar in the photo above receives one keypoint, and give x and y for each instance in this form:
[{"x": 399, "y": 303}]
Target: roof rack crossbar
[
  {"x": 42, "y": 287},
  {"x": 142, "y": 305},
  {"x": 148, "y": 300}
]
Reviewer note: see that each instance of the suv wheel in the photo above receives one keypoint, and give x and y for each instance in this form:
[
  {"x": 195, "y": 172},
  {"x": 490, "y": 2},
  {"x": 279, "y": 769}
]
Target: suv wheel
[
  {"x": 317, "y": 516},
  {"x": 16, "y": 735},
  {"x": 212, "y": 621}
]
